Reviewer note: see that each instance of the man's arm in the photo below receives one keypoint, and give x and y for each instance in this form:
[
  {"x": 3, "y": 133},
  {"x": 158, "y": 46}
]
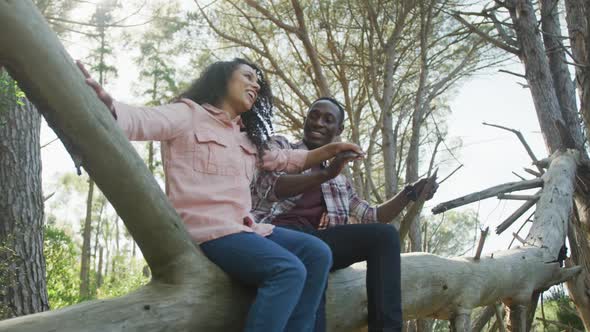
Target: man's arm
[
  {"x": 387, "y": 211},
  {"x": 317, "y": 156},
  {"x": 289, "y": 185},
  {"x": 390, "y": 209}
]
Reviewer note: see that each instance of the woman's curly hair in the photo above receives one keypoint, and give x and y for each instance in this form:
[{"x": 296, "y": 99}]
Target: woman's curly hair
[{"x": 211, "y": 88}]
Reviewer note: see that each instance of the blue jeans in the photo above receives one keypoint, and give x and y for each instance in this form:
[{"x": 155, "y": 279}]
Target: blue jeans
[
  {"x": 289, "y": 268},
  {"x": 379, "y": 246}
]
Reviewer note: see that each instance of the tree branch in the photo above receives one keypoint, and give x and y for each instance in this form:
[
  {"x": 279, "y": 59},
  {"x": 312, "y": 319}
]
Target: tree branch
[
  {"x": 486, "y": 37},
  {"x": 522, "y": 140},
  {"x": 490, "y": 192}
]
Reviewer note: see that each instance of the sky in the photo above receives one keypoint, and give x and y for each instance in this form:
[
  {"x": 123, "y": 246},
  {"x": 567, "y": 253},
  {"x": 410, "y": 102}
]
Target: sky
[{"x": 489, "y": 155}]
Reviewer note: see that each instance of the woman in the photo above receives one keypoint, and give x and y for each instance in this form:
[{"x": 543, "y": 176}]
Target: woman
[{"x": 212, "y": 140}]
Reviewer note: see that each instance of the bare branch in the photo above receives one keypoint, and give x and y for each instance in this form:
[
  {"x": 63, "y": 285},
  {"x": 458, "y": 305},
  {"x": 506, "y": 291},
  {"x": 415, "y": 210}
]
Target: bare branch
[
  {"x": 482, "y": 240},
  {"x": 532, "y": 172},
  {"x": 45, "y": 198},
  {"x": 519, "y": 176},
  {"x": 512, "y": 73},
  {"x": 273, "y": 19},
  {"x": 519, "y": 212},
  {"x": 522, "y": 140},
  {"x": 484, "y": 317},
  {"x": 501, "y": 31},
  {"x": 48, "y": 143},
  {"x": 490, "y": 192},
  {"x": 521, "y": 227},
  {"x": 499, "y": 317},
  {"x": 453, "y": 172},
  {"x": 310, "y": 50},
  {"x": 114, "y": 25},
  {"x": 517, "y": 237},
  {"x": 518, "y": 197},
  {"x": 486, "y": 37}
]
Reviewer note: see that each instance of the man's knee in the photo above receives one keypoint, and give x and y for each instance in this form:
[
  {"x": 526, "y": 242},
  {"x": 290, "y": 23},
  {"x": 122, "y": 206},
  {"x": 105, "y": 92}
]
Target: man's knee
[{"x": 387, "y": 235}]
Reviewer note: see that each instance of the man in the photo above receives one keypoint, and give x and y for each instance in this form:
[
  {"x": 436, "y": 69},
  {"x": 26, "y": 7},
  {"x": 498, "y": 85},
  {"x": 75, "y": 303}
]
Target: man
[{"x": 321, "y": 202}]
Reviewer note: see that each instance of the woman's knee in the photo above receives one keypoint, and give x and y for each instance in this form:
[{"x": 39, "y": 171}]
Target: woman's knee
[
  {"x": 321, "y": 252},
  {"x": 294, "y": 271}
]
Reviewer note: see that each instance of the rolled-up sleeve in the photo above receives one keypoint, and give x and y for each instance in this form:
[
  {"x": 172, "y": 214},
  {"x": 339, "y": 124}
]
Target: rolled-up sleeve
[
  {"x": 360, "y": 209},
  {"x": 158, "y": 123}
]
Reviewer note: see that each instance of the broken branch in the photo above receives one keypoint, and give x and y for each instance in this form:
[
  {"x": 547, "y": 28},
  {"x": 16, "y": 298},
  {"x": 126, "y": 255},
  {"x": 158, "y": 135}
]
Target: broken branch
[
  {"x": 490, "y": 192},
  {"x": 522, "y": 140},
  {"x": 519, "y": 212}
]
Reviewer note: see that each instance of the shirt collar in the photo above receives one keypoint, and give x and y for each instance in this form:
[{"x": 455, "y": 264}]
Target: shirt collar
[{"x": 223, "y": 116}]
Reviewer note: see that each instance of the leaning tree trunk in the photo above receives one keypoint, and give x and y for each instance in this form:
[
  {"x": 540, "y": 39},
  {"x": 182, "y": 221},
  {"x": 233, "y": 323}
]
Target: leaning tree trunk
[
  {"x": 552, "y": 95},
  {"x": 187, "y": 292},
  {"x": 577, "y": 13},
  {"x": 22, "y": 264}
]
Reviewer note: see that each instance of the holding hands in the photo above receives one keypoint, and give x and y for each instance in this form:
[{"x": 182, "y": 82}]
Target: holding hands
[{"x": 338, "y": 163}]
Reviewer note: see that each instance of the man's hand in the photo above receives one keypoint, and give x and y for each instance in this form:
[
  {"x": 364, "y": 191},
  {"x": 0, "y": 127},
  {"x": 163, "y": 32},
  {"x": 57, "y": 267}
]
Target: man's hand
[
  {"x": 104, "y": 96},
  {"x": 338, "y": 163},
  {"x": 421, "y": 185}
]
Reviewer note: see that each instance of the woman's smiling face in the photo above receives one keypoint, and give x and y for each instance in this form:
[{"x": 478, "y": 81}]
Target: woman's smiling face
[{"x": 242, "y": 89}]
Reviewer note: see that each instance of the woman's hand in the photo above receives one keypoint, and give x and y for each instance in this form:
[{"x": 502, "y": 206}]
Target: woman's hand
[
  {"x": 338, "y": 163},
  {"x": 104, "y": 96},
  {"x": 340, "y": 147},
  {"x": 326, "y": 152}
]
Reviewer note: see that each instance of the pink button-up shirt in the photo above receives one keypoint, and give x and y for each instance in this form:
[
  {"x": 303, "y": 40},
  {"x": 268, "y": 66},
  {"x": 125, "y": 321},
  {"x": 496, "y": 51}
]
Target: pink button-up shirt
[{"x": 208, "y": 163}]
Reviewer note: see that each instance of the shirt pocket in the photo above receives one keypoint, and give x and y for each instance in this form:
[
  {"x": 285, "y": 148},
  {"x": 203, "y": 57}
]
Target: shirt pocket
[
  {"x": 213, "y": 154},
  {"x": 249, "y": 153}
]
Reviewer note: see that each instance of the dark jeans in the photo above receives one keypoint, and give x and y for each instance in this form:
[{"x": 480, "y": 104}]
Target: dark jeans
[
  {"x": 379, "y": 245},
  {"x": 289, "y": 268}
]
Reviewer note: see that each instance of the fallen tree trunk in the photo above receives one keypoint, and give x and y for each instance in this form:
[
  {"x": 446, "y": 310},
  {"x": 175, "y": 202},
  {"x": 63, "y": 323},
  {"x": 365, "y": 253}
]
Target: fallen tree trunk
[{"x": 188, "y": 292}]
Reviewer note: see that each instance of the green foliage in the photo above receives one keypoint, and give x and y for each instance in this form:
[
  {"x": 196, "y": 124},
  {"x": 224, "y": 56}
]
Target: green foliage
[
  {"x": 127, "y": 276},
  {"x": 559, "y": 307},
  {"x": 61, "y": 257},
  {"x": 452, "y": 234},
  {"x": 10, "y": 94},
  {"x": 99, "y": 57},
  {"x": 160, "y": 46}
]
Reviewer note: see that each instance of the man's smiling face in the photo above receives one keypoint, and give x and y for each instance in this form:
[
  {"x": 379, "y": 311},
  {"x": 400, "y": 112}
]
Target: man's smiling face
[{"x": 322, "y": 124}]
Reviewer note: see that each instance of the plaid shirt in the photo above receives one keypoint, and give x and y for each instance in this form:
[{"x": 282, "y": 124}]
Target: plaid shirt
[{"x": 342, "y": 202}]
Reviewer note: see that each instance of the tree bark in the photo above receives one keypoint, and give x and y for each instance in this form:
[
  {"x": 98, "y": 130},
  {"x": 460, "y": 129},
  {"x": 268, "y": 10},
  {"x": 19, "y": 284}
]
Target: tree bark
[
  {"x": 420, "y": 105},
  {"x": 562, "y": 81},
  {"x": 577, "y": 13},
  {"x": 538, "y": 73},
  {"x": 462, "y": 321},
  {"x": 22, "y": 264},
  {"x": 86, "y": 238},
  {"x": 579, "y": 286},
  {"x": 552, "y": 94}
]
